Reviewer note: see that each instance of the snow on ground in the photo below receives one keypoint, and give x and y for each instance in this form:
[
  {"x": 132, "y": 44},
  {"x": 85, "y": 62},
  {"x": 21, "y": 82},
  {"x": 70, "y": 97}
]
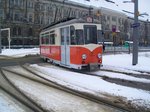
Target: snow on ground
[
  {"x": 7, "y": 104},
  {"x": 124, "y": 61},
  {"x": 118, "y": 62},
  {"x": 121, "y": 76},
  {"x": 19, "y": 52},
  {"x": 55, "y": 100},
  {"x": 95, "y": 84}
]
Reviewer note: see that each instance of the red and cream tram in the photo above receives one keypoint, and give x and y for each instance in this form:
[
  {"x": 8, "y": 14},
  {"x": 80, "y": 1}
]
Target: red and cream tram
[{"x": 72, "y": 43}]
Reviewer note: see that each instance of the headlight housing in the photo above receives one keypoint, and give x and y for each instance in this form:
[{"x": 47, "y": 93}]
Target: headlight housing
[
  {"x": 99, "y": 55},
  {"x": 84, "y": 56}
]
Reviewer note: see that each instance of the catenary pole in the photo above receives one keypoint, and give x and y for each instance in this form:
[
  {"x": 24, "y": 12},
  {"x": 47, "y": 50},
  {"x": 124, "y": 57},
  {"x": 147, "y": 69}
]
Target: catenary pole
[{"x": 135, "y": 34}]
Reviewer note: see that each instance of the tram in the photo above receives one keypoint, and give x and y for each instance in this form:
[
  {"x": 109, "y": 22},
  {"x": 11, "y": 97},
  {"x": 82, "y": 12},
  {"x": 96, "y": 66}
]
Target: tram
[{"x": 72, "y": 43}]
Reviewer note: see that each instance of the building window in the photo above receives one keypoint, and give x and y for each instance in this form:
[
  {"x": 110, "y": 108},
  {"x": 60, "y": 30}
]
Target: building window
[
  {"x": 30, "y": 5},
  {"x": 19, "y": 31},
  {"x": 30, "y": 33},
  {"x": 108, "y": 18},
  {"x": 30, "y": 18},
  {"x": 16, "y": 17},
  {"x": 1, "y": 14},
  {"x": 119, "y": 20},
  {"x": 41, "y": 19},
  {"x": 20, "y": 2},
  {"x": 113, "y": 18},
  {"x": 14, "y": 31}
]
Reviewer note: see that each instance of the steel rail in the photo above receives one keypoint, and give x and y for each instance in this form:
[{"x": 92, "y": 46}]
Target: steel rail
[
  {"x": 29, "y": 103},
  {"x": 81, "y": 94}
]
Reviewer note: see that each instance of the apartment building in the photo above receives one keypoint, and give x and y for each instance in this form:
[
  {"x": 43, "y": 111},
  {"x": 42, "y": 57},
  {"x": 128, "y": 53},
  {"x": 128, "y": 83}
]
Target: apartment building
[{"x": 26, "y": 18}]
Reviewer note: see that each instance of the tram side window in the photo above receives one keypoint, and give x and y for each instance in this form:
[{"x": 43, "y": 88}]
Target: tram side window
[
  {"x": 42, "y": 40},
  {"x": 67, "y": 35},
  {"x": 72, "y": 36},
  {"x": 52, "y": 39},
  {"x": 47, "y": 39},
  {"x": 62, "y": 36},
  {"x": 79, "y": 37}
]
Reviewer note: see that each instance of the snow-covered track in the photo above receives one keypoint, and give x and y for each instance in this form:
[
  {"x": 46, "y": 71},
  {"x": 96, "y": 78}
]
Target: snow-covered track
[
  {"x": 81, "y": 94},
  {"x": 140, "y": 84},
  {"x": 10, "y": 88},
  {"x": 141, "y": 74}
]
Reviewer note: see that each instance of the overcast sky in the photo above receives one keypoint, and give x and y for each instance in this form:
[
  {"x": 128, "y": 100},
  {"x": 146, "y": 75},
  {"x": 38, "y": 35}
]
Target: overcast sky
[{"x": 144, "y": 5}]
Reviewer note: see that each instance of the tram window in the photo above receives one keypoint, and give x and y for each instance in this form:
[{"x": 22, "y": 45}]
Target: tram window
[
  {"x": 42, "y": 39},
  {"x": 47, "y": 39},
  {"x": 72, "y": 35},
  {"x": 52, "y": 39},
  {"x": 67, "y": 35},
  {"x": 79, "y": 37},
  {"x": 90, "y": 34},
  {"x": 62, "y": 36}
]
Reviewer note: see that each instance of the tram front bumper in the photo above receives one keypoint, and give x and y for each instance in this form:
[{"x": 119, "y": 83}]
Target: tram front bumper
[{"x": 94, "y": 66}]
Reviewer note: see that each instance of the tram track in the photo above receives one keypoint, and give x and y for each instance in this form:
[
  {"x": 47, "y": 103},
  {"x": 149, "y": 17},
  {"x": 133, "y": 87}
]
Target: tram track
[
  {"x": 84, "y": 95},
  {"x": 118, "y": 81},
  {"x": 7, "y": 86},
  {"x": 141, "y": 74},
  {"x": 123, "y": 82}
]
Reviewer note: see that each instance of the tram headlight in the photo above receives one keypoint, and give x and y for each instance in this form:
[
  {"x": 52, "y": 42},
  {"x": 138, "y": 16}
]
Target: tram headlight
[
  {"x": 99, "y": 55},
  {"x": 84, "y": 56}
]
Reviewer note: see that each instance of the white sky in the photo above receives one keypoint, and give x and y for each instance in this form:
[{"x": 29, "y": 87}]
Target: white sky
[{"x": 143, "y": 5}]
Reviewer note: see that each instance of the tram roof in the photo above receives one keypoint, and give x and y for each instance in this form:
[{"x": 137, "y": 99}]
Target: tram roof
[{"x": 68, "y": 21}]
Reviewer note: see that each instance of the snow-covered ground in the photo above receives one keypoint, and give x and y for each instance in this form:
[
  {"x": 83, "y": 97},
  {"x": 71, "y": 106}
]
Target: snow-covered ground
[
  {"x": 8, "y": 104},
  {"x": 97, "y": 86},
  {"x": 54, "y": 100},
  {"x": 19, "y": 52},
  {"x": 124, "y": 61}
]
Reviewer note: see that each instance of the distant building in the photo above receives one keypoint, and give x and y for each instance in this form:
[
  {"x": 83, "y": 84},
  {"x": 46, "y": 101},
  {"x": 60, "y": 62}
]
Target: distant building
[
  {"x": 26, "y": 18},
  {"x": 113, "y": 24},
  {"x": 144, "y": 31}
]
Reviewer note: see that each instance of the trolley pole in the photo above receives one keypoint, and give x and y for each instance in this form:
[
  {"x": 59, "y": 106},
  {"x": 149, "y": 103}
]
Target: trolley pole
[{"x": 135, "y": 34}]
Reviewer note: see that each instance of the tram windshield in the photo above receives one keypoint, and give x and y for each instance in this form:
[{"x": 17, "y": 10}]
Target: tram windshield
[
  {"x": 90, "y": 34},
  {"x": 84, "y": 36}
]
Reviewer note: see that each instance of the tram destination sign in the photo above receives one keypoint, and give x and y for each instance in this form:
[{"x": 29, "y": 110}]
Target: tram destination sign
[{"x": 134, "y": 25}]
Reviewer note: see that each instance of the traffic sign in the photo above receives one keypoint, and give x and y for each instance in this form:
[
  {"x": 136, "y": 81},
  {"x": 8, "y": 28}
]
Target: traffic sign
[{"x": 134, "y": 25}]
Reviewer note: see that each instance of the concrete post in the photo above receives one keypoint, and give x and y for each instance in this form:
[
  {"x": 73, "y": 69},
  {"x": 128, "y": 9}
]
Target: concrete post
[{"x": 135, "y": 34}]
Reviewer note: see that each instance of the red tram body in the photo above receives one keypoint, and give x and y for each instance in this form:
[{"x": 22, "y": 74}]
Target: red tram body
[{"x": 72, "y": 43}]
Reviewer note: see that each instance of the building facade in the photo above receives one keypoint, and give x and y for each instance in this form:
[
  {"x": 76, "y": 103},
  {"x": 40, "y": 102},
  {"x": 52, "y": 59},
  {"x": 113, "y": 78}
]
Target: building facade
[{"x": 26, "y": 18}]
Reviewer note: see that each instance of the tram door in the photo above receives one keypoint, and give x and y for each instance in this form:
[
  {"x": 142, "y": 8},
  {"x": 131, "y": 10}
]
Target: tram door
[{"x": 65, "y": 49}]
